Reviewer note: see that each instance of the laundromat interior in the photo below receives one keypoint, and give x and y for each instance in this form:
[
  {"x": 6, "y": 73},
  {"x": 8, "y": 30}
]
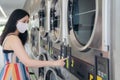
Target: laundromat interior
[{"x": 86, "y": 32}]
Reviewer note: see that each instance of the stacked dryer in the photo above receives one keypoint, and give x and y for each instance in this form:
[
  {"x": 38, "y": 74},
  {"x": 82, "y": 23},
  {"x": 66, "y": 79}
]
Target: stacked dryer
[
  {"x": 54, "y": 37},
  {"x": 73, "y": 29},
  {"x": 39, "y": 37},
  {"x": 44, "y": 31},
  {"x": 84, "y": 22},
  {"x": 34, "y": 39},
  {"x": 56, "y": 42}
]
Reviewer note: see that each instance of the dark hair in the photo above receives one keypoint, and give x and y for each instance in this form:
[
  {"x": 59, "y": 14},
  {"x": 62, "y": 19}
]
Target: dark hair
[
  {"x": 24, "y": 37},
  {"x": 11, "y": 25}
]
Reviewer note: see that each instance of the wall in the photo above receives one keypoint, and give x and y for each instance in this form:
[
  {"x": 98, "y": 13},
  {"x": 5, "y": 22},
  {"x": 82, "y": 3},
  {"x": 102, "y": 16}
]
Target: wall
[
  {"x": 1, "y": 29},
  {"x": 115, "y": 37}
]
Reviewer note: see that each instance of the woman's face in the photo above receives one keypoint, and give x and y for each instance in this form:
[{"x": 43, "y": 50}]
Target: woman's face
[
  {"x": 22, "y": 24},
  {"x": 24, "y": 19}
]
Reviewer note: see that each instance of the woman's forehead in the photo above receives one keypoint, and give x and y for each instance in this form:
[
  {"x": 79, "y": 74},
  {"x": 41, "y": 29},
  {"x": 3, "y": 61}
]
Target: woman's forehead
[{"x": 26, "y": 18}]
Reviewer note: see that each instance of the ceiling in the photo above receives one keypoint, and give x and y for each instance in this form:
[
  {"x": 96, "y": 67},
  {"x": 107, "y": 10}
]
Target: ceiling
[{"x": 8, "y": 6}]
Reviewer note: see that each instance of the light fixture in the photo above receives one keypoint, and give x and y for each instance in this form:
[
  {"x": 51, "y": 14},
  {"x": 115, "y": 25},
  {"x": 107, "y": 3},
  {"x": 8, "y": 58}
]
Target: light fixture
[{"x": 3, "y": 12}]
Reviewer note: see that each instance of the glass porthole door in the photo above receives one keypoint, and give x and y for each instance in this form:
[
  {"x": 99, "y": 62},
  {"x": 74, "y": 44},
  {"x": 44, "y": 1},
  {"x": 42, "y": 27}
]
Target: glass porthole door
[
  {"x": 85, "y": 25},
  {"x": 55, "y": 21}
]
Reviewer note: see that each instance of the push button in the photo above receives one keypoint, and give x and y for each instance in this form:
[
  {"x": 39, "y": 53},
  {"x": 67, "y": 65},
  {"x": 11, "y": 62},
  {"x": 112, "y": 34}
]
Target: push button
[
  {"x": 72, "y": 63},
  {"x": 99, "y": 78},
  {"x": 67, "y": 63},
  {"x": 90, "y": 77}
]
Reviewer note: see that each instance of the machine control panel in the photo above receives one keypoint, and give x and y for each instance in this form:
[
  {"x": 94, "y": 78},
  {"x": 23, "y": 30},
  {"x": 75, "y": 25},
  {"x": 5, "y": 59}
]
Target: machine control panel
[
  {"x": 82, "y": 70},
  {"x": 55, "y": 53},
  {"x": 66, "y": 53},
  {"x": 63, "y": 52},
  {"x": 102, "y": 68},
  {"x": 50, "y": 47}
]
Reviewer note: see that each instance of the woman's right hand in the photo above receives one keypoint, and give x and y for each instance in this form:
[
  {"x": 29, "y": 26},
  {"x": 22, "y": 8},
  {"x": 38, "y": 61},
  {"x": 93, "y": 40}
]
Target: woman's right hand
[{"x": 60, "y": 62}]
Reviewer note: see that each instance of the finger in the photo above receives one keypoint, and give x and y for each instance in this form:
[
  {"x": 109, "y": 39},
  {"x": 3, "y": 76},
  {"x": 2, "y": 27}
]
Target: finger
[{"x": 65, "y": 58}]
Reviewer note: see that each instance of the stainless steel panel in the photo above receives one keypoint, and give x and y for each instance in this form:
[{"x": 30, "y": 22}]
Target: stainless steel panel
[
  {"x": 55, "y": 21},
  {"x": 58, "y": 73},
  {"x": 95, "y": 40},
  {"x": 34, "y": 40},
  {"x": 51, "y": 74},
  {"x": 43, "y": 18}
]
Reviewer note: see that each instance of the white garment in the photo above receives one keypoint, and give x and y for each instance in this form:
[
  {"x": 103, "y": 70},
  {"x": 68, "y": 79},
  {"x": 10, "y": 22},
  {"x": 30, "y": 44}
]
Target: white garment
[{"x": 1, "y": 58}]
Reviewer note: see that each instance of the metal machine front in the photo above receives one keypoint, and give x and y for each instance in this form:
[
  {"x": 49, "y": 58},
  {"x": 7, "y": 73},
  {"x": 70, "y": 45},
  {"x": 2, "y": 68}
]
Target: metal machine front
[
  {"x": 56, "y": 44},
  {"x": 44, "y": 24},
  {"x": 34, "y": 35},
  {"x": 42, "y": 18},
  {"x": 41, "y": 33},
  {"x": 34, "y": 39},
  {"x": 55, "y": 35},
  {"x": 86, "y": 24},
  {"x": 53, "y": 24},
  {"x": 41, "y": 71},
  {"x": 55, "y": 21},
  {"x": 53, "y": 74}
]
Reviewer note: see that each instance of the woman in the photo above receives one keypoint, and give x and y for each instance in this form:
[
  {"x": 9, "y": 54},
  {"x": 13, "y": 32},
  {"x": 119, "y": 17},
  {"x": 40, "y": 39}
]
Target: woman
[{"x": 16, "y": 59}]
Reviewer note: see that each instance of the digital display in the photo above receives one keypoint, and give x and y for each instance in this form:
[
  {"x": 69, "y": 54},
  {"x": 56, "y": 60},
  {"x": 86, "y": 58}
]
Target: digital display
[{"x": 102, "y": 67}]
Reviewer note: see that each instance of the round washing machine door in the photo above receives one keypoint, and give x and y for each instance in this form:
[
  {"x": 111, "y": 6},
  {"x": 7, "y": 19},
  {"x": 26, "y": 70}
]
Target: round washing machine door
[
  {"x": 85, "y": 23},
  {"x": 42, "y": 57},
  {"x": 34, "y": 40},
  {"x": 51, "y": 74},
  {"x": 42, "y": 19},
  {"x": 55, "y": 21}
]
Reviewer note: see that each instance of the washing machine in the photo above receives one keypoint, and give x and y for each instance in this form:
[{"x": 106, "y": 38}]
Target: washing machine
[
  {"x": 84, "y": 23},
  {"x": 87, "y": 24},
  {"x": 57, "y": 45},
  {"x": 55, "y": 35},
  {"x": 55, "y": 21},
  {"x": 34, "y": 42},
  {"x": 52, "y": 74},
  {"x": 58, "y": 74},
  {"x": 43, "y": 21},
  {"x": 41, "y": 71},
  {"x": 39, "y": 40},
  {"x": 44, "y": 26},
  {"x": 57, "y": 38}
]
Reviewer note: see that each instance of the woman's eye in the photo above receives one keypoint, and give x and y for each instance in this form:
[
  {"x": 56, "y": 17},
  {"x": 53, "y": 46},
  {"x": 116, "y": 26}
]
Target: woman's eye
[
  {"x": 27, "y": 21},
  {"x": 23, "y": 21}
]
